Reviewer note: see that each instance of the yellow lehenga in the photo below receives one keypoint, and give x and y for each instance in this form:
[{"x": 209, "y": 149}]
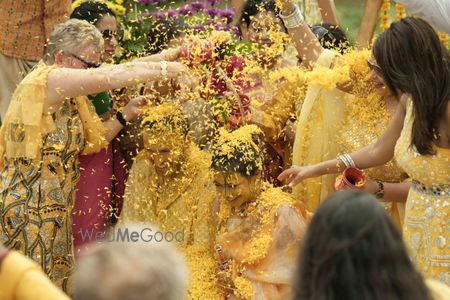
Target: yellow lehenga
[
  {"x": 263, "y": 243},
  {"x": 39, "y": 170},
  {"x": 426, "y": 227}
]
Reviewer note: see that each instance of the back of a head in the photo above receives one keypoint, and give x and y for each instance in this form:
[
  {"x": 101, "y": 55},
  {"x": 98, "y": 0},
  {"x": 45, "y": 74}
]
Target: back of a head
[
  {"x": 353, "y": 251},
  {"x": 253, "y": 7},
  {"x": 131, "y": 271},
  {"x": 331, "y": 37},
  {"x": 162, "y": 32},
  {"x": 413, "y": 60},
  {"x": 91, "y": 11}
]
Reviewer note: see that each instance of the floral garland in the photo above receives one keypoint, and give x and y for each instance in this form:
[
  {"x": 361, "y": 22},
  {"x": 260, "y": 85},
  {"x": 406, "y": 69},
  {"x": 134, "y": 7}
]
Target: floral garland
[
  {"x": 386, "y": 6},
  {"x": 401, "y": 12},
  {"x": 444, "y": 38}
]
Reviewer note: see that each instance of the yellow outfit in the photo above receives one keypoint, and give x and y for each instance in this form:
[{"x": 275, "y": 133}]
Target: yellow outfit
[
  {"x": 332, "y": 122},
  {"x": 426, "y": 228},
  {"x": 366, "y": 120},
  {"x": 322, "y": 114},
  {"x": 438, "y": 290},
  {"x": 182, "y": 202},
  {"x": 22, "y": 279},
  {"x": 39, "y": 170},
  {"x": 263, "y": 244}
]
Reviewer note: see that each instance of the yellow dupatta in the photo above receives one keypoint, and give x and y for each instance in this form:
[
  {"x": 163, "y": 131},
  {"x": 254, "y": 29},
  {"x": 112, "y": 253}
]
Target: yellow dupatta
[
  {"x": 28, "y": 121},
  {"x": 315, "y": 139}
]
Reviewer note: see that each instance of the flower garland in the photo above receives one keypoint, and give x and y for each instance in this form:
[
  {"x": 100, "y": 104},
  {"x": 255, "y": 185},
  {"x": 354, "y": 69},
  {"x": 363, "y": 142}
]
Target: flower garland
[
  {"x": 386, "y": 6},
  {"x": 444, "y": 38},
  {"x": 401, "y": 12}
]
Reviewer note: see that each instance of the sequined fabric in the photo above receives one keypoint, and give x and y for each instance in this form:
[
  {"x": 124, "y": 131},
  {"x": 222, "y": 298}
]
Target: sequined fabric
[{"x": 427, "y": 217}]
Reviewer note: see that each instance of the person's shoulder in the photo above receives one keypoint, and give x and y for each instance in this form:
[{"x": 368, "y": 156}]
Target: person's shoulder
[{"x": 439, "y": 291}]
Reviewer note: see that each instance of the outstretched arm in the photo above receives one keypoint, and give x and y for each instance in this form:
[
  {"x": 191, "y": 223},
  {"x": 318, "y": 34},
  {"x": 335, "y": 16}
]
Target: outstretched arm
[
  {"x": 328, "y": 12},
  {"x": 371, "y": 156},
  {"x": 306, "y": 43},
  {"x": 69, "y": 83}
]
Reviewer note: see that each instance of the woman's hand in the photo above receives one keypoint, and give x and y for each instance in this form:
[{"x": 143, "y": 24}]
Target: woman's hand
[
  {"x": 371, "y": 187},
  {"x": 133, "y": 109},
  {"x": 295, "y": 174}
]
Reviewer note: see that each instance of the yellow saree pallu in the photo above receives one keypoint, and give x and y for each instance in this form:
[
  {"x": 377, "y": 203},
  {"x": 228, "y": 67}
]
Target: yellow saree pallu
[{"x": 321, "y": 114}]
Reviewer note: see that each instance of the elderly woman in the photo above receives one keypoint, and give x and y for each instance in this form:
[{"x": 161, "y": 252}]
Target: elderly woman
[{"x": 47, "y": 125}]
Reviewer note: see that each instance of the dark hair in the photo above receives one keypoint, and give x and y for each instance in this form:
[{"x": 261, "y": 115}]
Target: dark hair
[
  {"x": 331, "y": 37},
  {"x": 353, "y": 251},
  {"x": 414, "y": 61},
  {"x": 245, "y": 159},
  {"x": 253, "y": 7},
  {"x": 162, "y": 31},
  {"x": 91, "y": 11}
]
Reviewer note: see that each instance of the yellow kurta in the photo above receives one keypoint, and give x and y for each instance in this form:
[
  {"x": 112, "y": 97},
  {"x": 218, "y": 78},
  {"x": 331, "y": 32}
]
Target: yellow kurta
[
  {"x": 426, "y": 227},
  {"x": 182, "y": 203}
]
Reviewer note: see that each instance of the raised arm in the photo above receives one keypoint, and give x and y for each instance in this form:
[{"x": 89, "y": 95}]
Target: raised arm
[
  {"x": 371, "y": 156},
  {"x": 69, "y": 83},
  {"x": 306, "y": 43},
  {"x": 328, "y": 12}
]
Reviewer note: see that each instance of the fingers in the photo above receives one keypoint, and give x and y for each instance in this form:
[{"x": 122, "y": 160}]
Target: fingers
[
  {"x": 286, "y": 174},
  {"x": 297, "y": 179}
]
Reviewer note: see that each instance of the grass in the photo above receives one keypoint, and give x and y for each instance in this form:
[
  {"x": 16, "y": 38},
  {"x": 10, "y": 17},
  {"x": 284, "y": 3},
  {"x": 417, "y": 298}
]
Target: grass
[{"x": 350, "y": 13}]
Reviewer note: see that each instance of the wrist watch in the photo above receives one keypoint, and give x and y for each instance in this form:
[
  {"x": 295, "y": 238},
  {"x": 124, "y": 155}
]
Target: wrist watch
[
  {"x": 380, "y": 193},
  {"x": 121, "y": 119}
]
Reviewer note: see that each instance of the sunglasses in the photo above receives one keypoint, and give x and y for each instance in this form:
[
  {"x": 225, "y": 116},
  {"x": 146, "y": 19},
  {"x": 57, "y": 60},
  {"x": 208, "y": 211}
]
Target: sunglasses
[{"x": 88, "y": 65}]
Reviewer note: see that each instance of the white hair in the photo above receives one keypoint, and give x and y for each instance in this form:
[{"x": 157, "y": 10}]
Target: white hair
[
  {"x": 72, "y": 36},
  {"x": 131, "y": 271}
]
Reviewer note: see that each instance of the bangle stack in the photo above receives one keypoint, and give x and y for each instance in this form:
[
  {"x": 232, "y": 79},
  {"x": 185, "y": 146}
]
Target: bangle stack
[
  {"x": 347, "y": 160},
  {"x": 293, "y": 20}
]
